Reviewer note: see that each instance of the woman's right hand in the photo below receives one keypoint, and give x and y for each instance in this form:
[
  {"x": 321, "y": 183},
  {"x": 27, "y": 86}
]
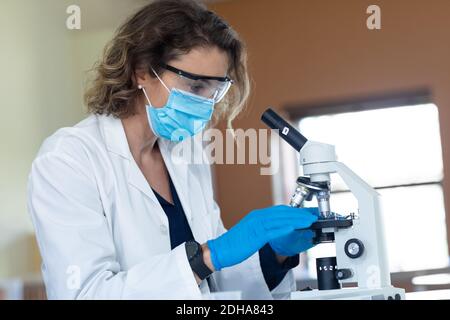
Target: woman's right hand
[{"x": 255, "y": 230}]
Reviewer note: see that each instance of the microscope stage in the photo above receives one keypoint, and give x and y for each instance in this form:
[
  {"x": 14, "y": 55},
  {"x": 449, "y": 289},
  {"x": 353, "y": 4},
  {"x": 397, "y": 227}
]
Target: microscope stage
[{"x": 331, "y": 223}]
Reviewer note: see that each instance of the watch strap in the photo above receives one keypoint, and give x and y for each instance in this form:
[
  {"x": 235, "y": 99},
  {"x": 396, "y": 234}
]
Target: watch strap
[{"x": 197, "y": 263}]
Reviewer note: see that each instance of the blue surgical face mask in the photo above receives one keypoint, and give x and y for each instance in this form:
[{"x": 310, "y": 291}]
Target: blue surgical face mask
[{"x": 184, "y": 115}]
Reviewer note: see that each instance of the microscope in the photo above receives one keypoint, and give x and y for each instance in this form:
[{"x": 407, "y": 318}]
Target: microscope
[{"x": 361, "y": 263}]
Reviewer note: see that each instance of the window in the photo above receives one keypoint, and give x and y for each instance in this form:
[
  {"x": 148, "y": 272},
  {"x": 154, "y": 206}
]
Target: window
[{"x": 397, "y": 150}]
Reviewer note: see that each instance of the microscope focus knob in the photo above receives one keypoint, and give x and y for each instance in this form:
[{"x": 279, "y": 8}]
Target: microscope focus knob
[
  {"x": 342, "y": 274},
  {"x": 354, "y": 248}
]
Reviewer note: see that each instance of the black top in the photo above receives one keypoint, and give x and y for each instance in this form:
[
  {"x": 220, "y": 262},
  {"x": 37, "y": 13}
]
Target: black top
[{"x": 180, "y": 232}]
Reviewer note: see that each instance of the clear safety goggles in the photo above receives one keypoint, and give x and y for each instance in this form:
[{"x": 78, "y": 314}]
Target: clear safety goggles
[{"x": 206, "y": 86}]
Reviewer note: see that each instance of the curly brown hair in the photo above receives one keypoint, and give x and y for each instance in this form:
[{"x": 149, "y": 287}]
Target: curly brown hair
[{"x": 156, "y": 34}]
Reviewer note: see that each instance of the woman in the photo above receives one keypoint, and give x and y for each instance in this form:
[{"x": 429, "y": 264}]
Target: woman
[{"x": 115, "y": 217}]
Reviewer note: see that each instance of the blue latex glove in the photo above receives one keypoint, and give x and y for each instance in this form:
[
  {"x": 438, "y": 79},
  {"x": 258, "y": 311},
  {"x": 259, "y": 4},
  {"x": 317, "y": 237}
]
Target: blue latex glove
[
  {"x": 254, "y": 231},
  {"x": 296, "y": 241}
]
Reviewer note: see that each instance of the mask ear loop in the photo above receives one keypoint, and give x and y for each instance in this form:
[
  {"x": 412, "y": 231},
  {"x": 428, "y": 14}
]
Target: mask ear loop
[
  {"x": 146, "y": 109},
  {"x": 145, "y": 93},
  {"x": 162, "y": 82}
]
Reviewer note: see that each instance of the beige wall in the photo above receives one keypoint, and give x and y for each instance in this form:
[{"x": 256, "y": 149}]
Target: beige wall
[
  {"x": 304, "y": 51},
  {"x": 36, "y": 97},
  {"x": 43, "y": 71}
]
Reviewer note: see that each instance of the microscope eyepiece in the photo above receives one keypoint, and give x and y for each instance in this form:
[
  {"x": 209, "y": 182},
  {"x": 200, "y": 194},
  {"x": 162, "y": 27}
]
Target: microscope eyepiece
[{"x": 286, "y": 131}]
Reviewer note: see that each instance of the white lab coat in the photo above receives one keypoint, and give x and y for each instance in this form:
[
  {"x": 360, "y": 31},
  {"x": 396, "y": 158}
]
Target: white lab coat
[{"x": 102, "y": 233}]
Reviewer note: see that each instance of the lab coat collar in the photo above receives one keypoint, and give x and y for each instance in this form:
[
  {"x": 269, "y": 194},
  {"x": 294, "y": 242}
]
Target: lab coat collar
[
  {"x": 114, "y": 135},
  {"x": 116, "y": 142}
]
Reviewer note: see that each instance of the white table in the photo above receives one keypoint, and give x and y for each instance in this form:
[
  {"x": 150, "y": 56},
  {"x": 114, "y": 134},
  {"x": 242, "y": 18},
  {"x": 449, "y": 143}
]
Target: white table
[{"x": 429, "y": 295}]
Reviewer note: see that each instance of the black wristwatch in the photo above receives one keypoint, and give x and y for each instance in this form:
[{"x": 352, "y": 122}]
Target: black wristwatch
[{"x": 195, "y": 256}]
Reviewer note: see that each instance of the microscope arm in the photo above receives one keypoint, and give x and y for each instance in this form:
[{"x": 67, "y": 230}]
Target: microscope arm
[{"x": 372, "y": 268}]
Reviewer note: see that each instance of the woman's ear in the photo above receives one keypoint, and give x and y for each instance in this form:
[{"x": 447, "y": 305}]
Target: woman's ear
[{"x": 140, "y": 77}]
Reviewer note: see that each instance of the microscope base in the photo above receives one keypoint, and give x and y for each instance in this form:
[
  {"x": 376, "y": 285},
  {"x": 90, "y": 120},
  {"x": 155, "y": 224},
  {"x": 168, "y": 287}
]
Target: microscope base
[{"x": 387, "y": 293}]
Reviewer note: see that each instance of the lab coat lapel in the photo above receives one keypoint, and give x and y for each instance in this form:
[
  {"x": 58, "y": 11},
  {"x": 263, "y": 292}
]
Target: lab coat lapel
[
  {"x": 137, "y": 179},
  {"x": 116, "y": 142}
]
